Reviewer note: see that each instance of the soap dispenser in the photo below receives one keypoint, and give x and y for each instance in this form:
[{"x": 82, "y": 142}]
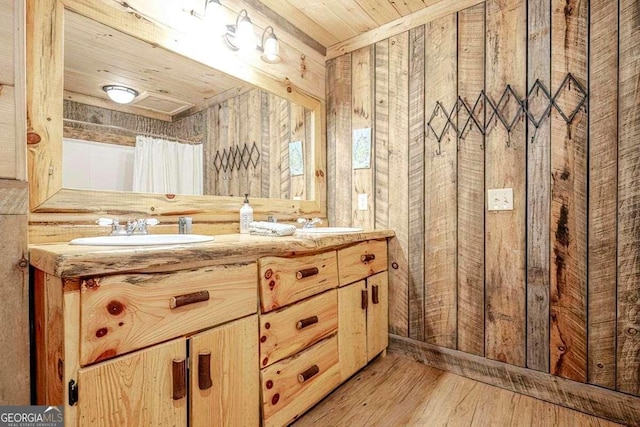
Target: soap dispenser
[{"x": 246, "y": 215}]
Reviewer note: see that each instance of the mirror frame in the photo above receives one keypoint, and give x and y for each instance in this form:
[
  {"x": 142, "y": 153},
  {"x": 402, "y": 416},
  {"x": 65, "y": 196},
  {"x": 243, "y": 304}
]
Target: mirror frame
[{"x": 45, "y": 74}]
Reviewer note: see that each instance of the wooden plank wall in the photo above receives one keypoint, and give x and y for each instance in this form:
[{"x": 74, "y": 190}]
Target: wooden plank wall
[
  {"x": 398, "y": 203},
  {"x": 554, "y": 285},
  {"x": 14, "y": 280},
  {"x": 603, "y": 184},
  {"x": 628, "y": 327},
  {"x": 440, "y": 200},
  {"x": 471, "y": 187},
  {"x": 538, "y": 190},
  {"x": 253, "y": 116},
  {"x": 416, "y": 183},
  {"x": 505, "y": 159},
  {"x": 568, "y": 196}
]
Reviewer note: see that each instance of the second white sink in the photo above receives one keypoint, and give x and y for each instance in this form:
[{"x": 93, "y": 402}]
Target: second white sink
[{"x": 142, "y": 240}]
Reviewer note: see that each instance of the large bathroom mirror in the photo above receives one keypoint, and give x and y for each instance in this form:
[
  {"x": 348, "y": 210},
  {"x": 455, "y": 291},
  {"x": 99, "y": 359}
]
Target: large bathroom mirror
[
  {"x": 188, "y": 129},
  {"x": 228, "y": 135}
]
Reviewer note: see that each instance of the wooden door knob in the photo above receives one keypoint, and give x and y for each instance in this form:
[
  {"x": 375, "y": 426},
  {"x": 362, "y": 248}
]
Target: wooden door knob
[
  {"x": 186, "y": 299},
  {"x": 301, "y": 324},
  {"x": 179, "y": 379},
  {"x": 307, "y": 272},
  {"x": 204, "y": 370},
  {"x": 375, "y": 298},
  {"x": 367, "y": 257},
  {"x": 308, "y": 374}
]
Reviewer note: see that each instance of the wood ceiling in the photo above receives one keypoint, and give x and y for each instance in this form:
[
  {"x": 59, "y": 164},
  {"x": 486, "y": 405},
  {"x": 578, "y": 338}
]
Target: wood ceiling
[
  {"x": 91, "y": 60},
  {"x": 333, "y": 21},
  {"x": 96, "y": 55}
]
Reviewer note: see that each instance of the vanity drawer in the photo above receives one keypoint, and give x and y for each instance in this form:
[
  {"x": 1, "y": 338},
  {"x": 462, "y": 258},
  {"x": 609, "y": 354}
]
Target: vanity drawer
[
  {"x": 285, "y": 332},
  {"x": 287, "y": 280},
  {"x": 126, "y": 312},
  {"x": 362, "y": 260},
  {"x": 293, "y": 385}
]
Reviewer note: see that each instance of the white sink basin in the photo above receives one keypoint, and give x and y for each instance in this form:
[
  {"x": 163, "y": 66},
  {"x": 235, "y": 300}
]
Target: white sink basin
[
  {"x": 328, "y": 230},
  {"x": 142, "y": 240}
]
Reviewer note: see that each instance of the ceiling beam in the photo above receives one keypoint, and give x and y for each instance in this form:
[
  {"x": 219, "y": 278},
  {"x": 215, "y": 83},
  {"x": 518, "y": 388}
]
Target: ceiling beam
[{"x": 423, "y": 16}]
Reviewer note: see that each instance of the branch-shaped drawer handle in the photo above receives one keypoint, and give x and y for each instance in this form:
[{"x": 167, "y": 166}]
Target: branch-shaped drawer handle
[
  {"x": 375, "y": 298},
  {"x": 186, "y": 299},
  {"x": 365, "y": 299},
  {"x": 179, "y": 379},
  {"x": 301, "y": 324},
  {"x": 307, "y": 272},
  {"x": 367, "y": 257},
  {"x": 308, "y": 374},
  {"x": 204, "y": 370}
]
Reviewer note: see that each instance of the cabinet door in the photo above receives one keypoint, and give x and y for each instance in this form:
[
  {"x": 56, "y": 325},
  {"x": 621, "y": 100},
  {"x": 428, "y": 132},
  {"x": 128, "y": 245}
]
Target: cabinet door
[
  {"x": 225, "y": 383},
  {"x": 136, "y": 389},
  {"x": 377, "y": 314},
  {"x": 352, "y": 328}
]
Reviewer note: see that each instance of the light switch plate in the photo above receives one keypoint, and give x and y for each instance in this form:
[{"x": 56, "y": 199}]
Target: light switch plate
[
  {"x": 500, "y": 199},
  {"x": 363, "y": 202}
]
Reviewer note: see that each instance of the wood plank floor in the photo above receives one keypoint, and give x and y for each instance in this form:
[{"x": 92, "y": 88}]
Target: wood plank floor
[{"x": 393, "y": 391}]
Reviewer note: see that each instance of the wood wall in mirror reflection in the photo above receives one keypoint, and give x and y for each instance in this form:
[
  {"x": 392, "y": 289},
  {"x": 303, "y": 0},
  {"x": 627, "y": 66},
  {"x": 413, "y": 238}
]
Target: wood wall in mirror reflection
[{"x": 262, "y": 122}]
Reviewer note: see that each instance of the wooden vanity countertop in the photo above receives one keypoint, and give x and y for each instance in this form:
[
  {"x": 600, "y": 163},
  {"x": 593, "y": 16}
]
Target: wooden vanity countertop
[{"x": 64, "y": 260}]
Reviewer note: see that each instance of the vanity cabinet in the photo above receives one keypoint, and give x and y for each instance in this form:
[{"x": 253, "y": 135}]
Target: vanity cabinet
[
  {"x": 324, "y": 316},
  {"x": 298, "y": 326},
  {"x": 363, "y": 317},
  {"x": 225, "y": 387},
  {"x": 150, "y": 386},
  {"x": 154, "y": 348},
  {"x": 362, "y": 260},
  {"x": 363, "y": 304},
  {"x": 285, "y": 280},
  {"x": 288, "y": 331},
  {"x": 290, "y": 387},
  {"x": 249, "y": 331},
  {"x": 125, "y": 312},
  {"x": 134, "y": 389}
]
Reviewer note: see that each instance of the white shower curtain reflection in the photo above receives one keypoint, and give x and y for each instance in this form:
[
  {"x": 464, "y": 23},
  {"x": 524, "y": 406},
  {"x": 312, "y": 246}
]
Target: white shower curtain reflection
[{"x": 167, "y": 167}]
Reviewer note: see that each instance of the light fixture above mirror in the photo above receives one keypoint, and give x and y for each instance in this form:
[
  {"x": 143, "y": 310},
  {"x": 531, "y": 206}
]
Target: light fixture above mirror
[
  {"x": 270, "y": 47},
  {"x": 120, "y": 94},
  {"x": 213, "y": 16},
  {"x": 241, "y": 37}
]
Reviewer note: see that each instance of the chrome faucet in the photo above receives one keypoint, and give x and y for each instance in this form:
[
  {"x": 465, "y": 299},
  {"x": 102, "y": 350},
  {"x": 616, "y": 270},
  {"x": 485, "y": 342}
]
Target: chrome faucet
[
  {"x": 309, "y": 222},
  {"x": 136, "y": 226}
]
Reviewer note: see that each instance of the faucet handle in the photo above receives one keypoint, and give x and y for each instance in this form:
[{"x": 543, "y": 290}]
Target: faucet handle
[
  {"x": 309, "y": 222},
  {"x": 151, "y": 221},
  {"x": 139, "y": 226},
  {"x": 105, "y": 222},
  {"x": 116, "y": 228}
]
